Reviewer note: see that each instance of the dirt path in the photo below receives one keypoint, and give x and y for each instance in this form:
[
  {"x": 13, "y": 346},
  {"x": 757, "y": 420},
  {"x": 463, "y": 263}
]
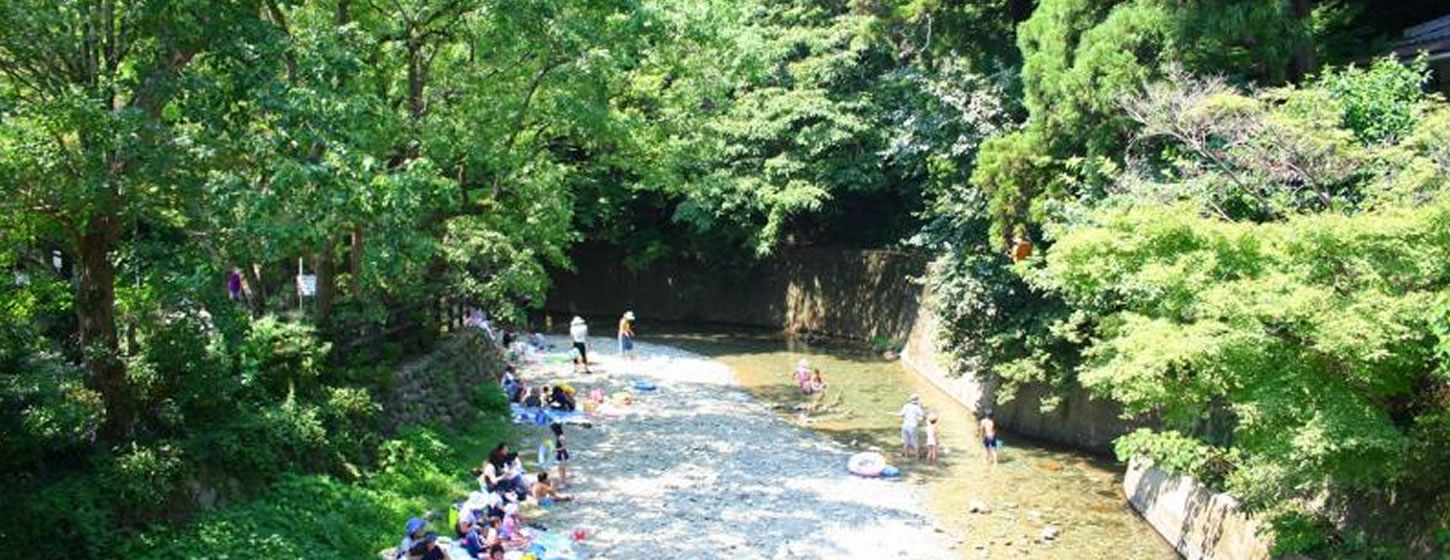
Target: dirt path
[{"x": 700, "y": 469}]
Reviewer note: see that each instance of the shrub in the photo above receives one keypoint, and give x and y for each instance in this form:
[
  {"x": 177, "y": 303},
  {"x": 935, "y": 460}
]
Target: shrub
[
  {"x": 280, "y": 357},
  {"x": 491, "y": 400}
]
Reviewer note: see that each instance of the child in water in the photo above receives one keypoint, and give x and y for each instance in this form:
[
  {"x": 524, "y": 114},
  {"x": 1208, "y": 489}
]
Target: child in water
[
  {"x": 931, "y": 441},
  {"x": 803, "y": 376}
]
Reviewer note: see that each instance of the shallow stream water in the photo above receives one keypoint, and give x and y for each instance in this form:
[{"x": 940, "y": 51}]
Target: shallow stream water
[{"x": 1033, "y": 486}]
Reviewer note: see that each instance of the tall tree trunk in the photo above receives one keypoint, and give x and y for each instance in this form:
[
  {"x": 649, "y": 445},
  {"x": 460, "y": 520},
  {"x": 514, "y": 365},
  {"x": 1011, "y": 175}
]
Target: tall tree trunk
[
  {"x": 1304, "y": 62},
  {"x": 355, "y": 262},
  {"x": 326, "y": 283},
  {"x": 415, "y": 81},
  {"x": 258, "y": 289},
  {"x": 96, "y": 314},
  {"x": 1019, "y": 10}
]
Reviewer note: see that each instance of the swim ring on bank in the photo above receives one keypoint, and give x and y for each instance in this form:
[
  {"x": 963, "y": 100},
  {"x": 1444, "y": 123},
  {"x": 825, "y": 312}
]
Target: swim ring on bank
[
  {"x": 866, "y": 463},
  {"x": 642, "y": 385}
]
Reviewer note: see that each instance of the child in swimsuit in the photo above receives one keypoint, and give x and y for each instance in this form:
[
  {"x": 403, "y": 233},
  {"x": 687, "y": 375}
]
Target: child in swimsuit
[
  {"x": 931, "y": 439},
  {"x": 561, "y": 453}
]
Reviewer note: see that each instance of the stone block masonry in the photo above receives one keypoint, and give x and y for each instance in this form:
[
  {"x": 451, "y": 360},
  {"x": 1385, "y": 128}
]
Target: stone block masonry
[{"x": 439, "y": 387}]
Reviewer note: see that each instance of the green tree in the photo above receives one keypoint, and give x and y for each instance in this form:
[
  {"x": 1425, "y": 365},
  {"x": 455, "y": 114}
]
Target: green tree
[
  {"x": 87, "y": 148},
  {"x": 1260, "y": 282}
]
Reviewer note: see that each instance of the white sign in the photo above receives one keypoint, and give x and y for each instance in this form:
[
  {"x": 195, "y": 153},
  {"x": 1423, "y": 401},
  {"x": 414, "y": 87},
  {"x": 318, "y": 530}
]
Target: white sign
[{"x": 307, "y": 284}]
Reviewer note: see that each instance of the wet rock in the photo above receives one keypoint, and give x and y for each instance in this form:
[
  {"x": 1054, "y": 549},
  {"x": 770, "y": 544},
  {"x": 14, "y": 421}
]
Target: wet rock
[
  {"x": 1050, "y": 533},
  {"x": 978, "y": 506}
]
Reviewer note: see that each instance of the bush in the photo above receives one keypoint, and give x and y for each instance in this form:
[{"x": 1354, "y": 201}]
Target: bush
[
  {"x": 320, "y": 517},
  {"x": 258, "y": 446},
  {"x": 45, "y": 408},
  {"x": 281, "y": 357},
  {"x": 141, "y": 480},
  {"x": 491, "y": 399}
]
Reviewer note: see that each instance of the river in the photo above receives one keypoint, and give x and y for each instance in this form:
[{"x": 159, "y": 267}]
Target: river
[{"x": 1034, "y": 486}]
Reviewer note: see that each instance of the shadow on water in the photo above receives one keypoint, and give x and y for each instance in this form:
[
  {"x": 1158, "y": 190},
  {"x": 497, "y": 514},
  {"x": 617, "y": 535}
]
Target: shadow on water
[{"x": 1033, "y": 486}]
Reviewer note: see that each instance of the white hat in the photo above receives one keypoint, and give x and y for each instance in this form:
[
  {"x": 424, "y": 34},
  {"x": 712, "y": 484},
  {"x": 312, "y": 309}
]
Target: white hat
[
  {"x": 511, "y": 509},
  {"x": 914, "y": 398},
  {"x": 803, "y": 363},
  {"x": 577, "y": 320},
  {"x": 476, "y": 501},
  {"x": 629, "y": 315}
]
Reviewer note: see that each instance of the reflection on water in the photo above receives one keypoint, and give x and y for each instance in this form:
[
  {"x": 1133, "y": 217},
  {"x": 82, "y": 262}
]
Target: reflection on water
[{"x": 1033, "y": 486}]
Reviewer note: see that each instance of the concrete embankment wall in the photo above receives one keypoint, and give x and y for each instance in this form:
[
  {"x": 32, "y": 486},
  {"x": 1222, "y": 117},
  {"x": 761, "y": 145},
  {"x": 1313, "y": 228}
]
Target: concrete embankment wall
[
  {"x": 850, "y": 293},
  {"x": 1200, "y": 523},
  {"x": 853, "y": 294},
  {"x": 1080, "y": 420}
]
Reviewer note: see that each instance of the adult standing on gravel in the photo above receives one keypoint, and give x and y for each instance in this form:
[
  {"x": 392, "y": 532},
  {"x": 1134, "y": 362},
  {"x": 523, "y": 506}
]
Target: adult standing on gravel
[
  {"x": 911, "y": 415},
  {"x": 626, "y": 335},
  {"x": 579, "y": 333}
]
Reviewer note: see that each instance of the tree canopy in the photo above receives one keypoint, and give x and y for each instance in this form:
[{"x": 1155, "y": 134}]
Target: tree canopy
[{"x": 1239, "y": 210}]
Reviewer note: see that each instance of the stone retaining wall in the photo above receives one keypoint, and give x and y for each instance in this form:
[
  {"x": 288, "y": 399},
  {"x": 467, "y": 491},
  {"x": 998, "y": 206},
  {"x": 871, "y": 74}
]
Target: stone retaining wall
[{"x": 440, "y": 386}]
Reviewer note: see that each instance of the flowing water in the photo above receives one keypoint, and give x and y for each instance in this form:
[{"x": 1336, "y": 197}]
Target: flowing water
[{"x": 1033, "y": 486}]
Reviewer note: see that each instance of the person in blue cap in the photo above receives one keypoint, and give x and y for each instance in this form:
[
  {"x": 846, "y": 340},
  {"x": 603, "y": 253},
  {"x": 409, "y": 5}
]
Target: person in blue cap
[
  {"x": 427, "y": 548},
  {"x": 413, "y": 535}
]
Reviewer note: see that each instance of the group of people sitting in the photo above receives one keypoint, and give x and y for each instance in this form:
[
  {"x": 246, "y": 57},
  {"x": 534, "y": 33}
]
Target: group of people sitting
[
  {"x": 490, "y": 522},
  {"x": 557, "y": 397}
]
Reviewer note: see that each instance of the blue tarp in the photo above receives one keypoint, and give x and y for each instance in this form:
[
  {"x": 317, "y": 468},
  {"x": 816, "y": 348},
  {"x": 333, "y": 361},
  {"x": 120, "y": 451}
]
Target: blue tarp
[
  {"x": 544, "y": 416},
  {"x": 554, "y": 546}
]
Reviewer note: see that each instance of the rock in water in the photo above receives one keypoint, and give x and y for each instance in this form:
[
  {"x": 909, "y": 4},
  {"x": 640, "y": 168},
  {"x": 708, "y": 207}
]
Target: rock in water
[
  {"x": 978, "y": 506},
  {"x": 1050, "y": 532}
]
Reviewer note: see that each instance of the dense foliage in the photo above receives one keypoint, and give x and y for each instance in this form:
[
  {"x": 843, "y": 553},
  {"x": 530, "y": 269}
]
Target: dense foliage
[
  {"x": 1237, "y": 233},
  {"x": 1265, "y": 276}
]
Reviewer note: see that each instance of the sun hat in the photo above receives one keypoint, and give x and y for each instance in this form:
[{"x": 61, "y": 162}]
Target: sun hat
[
  {"x": 803, "y": 363},
  {"x": 915, "y": 398},
  {"x": 414, "y": 524},
  {"x": 629, "y": 315},
  {"x": 577, "y": 320},
  {"x": 476, "y": 501}
]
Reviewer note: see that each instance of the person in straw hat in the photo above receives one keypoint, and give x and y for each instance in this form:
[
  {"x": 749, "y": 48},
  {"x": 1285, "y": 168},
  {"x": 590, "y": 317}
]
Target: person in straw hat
[
  {"x": 911, "y": 414},
  {"x": 626, "y": 335},
  {"x": 579, "y": 333}
]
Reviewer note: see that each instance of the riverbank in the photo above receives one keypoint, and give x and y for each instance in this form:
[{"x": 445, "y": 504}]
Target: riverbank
[
  {"x": 322, "y": 517},
  {"x": 699, "y": 468}
]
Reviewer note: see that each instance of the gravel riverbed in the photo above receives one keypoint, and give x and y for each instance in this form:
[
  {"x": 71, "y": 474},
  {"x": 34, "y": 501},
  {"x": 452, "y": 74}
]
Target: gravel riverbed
[{"x": 699, "y": 469}]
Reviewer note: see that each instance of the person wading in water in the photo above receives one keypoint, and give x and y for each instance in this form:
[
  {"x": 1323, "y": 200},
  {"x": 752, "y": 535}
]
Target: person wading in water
[
  {"x": 626, "y": 335},
  {"x": 987, "y": 428}
]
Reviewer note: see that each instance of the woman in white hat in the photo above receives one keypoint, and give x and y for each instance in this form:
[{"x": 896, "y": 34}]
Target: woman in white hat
[
  {"x": 911, "y": 415},
  {"x": 626, "y": 335},
  {"x": 579, "y": 333}
]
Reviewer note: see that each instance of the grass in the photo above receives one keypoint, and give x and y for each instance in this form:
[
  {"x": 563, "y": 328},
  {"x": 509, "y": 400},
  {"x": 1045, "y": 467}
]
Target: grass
[{"x": 423, "y": 471}]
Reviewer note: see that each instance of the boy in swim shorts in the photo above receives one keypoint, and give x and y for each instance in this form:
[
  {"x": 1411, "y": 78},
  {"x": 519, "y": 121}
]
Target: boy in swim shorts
[{"x": 988, "y": 429}]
